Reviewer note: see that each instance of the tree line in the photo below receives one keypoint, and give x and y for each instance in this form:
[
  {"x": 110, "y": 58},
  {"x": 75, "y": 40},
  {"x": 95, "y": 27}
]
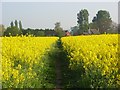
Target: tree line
[
  {"x": 101, "y": 22},
  {"x": 16, "y": 29}
]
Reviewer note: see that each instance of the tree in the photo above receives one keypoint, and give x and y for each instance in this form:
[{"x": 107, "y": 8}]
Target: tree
[
  {"x": 11, "y": 24},
  {"x": 93, "y": 25},
  {"x": 113, "y": 28},
  {"x": 58, "y": 30},
  {"x": 74, "y": 30},
  {"x": 83, "y": 23},
  {"x": 20, "y": 25},
  {"x": 2, "y": 30},
  {"x": 12, "y": 31},
  {"x": 40, "y": 33},
  {"x": 16, "y": 24},
  {"x": 102, "y": 21}
]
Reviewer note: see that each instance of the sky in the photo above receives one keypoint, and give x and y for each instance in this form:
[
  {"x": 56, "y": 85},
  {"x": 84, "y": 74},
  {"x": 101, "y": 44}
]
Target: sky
[{"x": 46, "y": 14}]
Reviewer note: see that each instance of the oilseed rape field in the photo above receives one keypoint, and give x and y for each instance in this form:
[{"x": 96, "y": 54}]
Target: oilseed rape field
[
  {"x": 25, "y": 61},
  {"x": 90, "y": 61},
  {"x": 96, "y": 58}
]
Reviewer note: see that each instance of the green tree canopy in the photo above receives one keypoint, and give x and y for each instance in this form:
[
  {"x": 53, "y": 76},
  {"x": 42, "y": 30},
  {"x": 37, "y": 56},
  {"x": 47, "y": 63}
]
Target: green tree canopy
[
  {"x": 102, "y": 21},
  {"x": 83, "y": 23},
  {"x": 12, "y": 31},
  {"x": 16, "y": 23},
  {"x": 40, "y": 33},
  {"x": 11, "y": 24},
  {"x": 58, "y": 30},
  {"x": 20, "y": 25},
  {"x": 2, "y": 30},
  {"x": 74, "y": 30}
]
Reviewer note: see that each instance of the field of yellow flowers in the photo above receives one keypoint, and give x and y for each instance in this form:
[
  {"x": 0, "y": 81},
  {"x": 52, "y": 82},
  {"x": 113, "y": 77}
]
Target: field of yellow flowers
[
  {"x": 0, "y": 64},
  {"x": 93, "y": 61},
  {"x": 25, "y": 62}
]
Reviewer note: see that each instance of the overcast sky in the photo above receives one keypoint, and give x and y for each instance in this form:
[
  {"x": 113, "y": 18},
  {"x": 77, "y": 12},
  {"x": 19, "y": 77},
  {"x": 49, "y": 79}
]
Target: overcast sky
[{"x": 45, "y": 14}]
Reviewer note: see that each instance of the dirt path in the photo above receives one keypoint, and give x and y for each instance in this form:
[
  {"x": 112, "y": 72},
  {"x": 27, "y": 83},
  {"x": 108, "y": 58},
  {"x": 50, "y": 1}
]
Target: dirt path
[
  {"x": 58, "y": 69},
  {"x": 58, "y": 73}
]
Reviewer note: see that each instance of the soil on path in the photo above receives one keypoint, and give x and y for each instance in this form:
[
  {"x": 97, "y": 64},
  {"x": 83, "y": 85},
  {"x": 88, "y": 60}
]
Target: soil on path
[{"x": 58, "y": 68}]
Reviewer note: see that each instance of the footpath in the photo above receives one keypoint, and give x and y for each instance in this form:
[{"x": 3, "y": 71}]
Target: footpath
[{"x": 58, "y": 67}]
